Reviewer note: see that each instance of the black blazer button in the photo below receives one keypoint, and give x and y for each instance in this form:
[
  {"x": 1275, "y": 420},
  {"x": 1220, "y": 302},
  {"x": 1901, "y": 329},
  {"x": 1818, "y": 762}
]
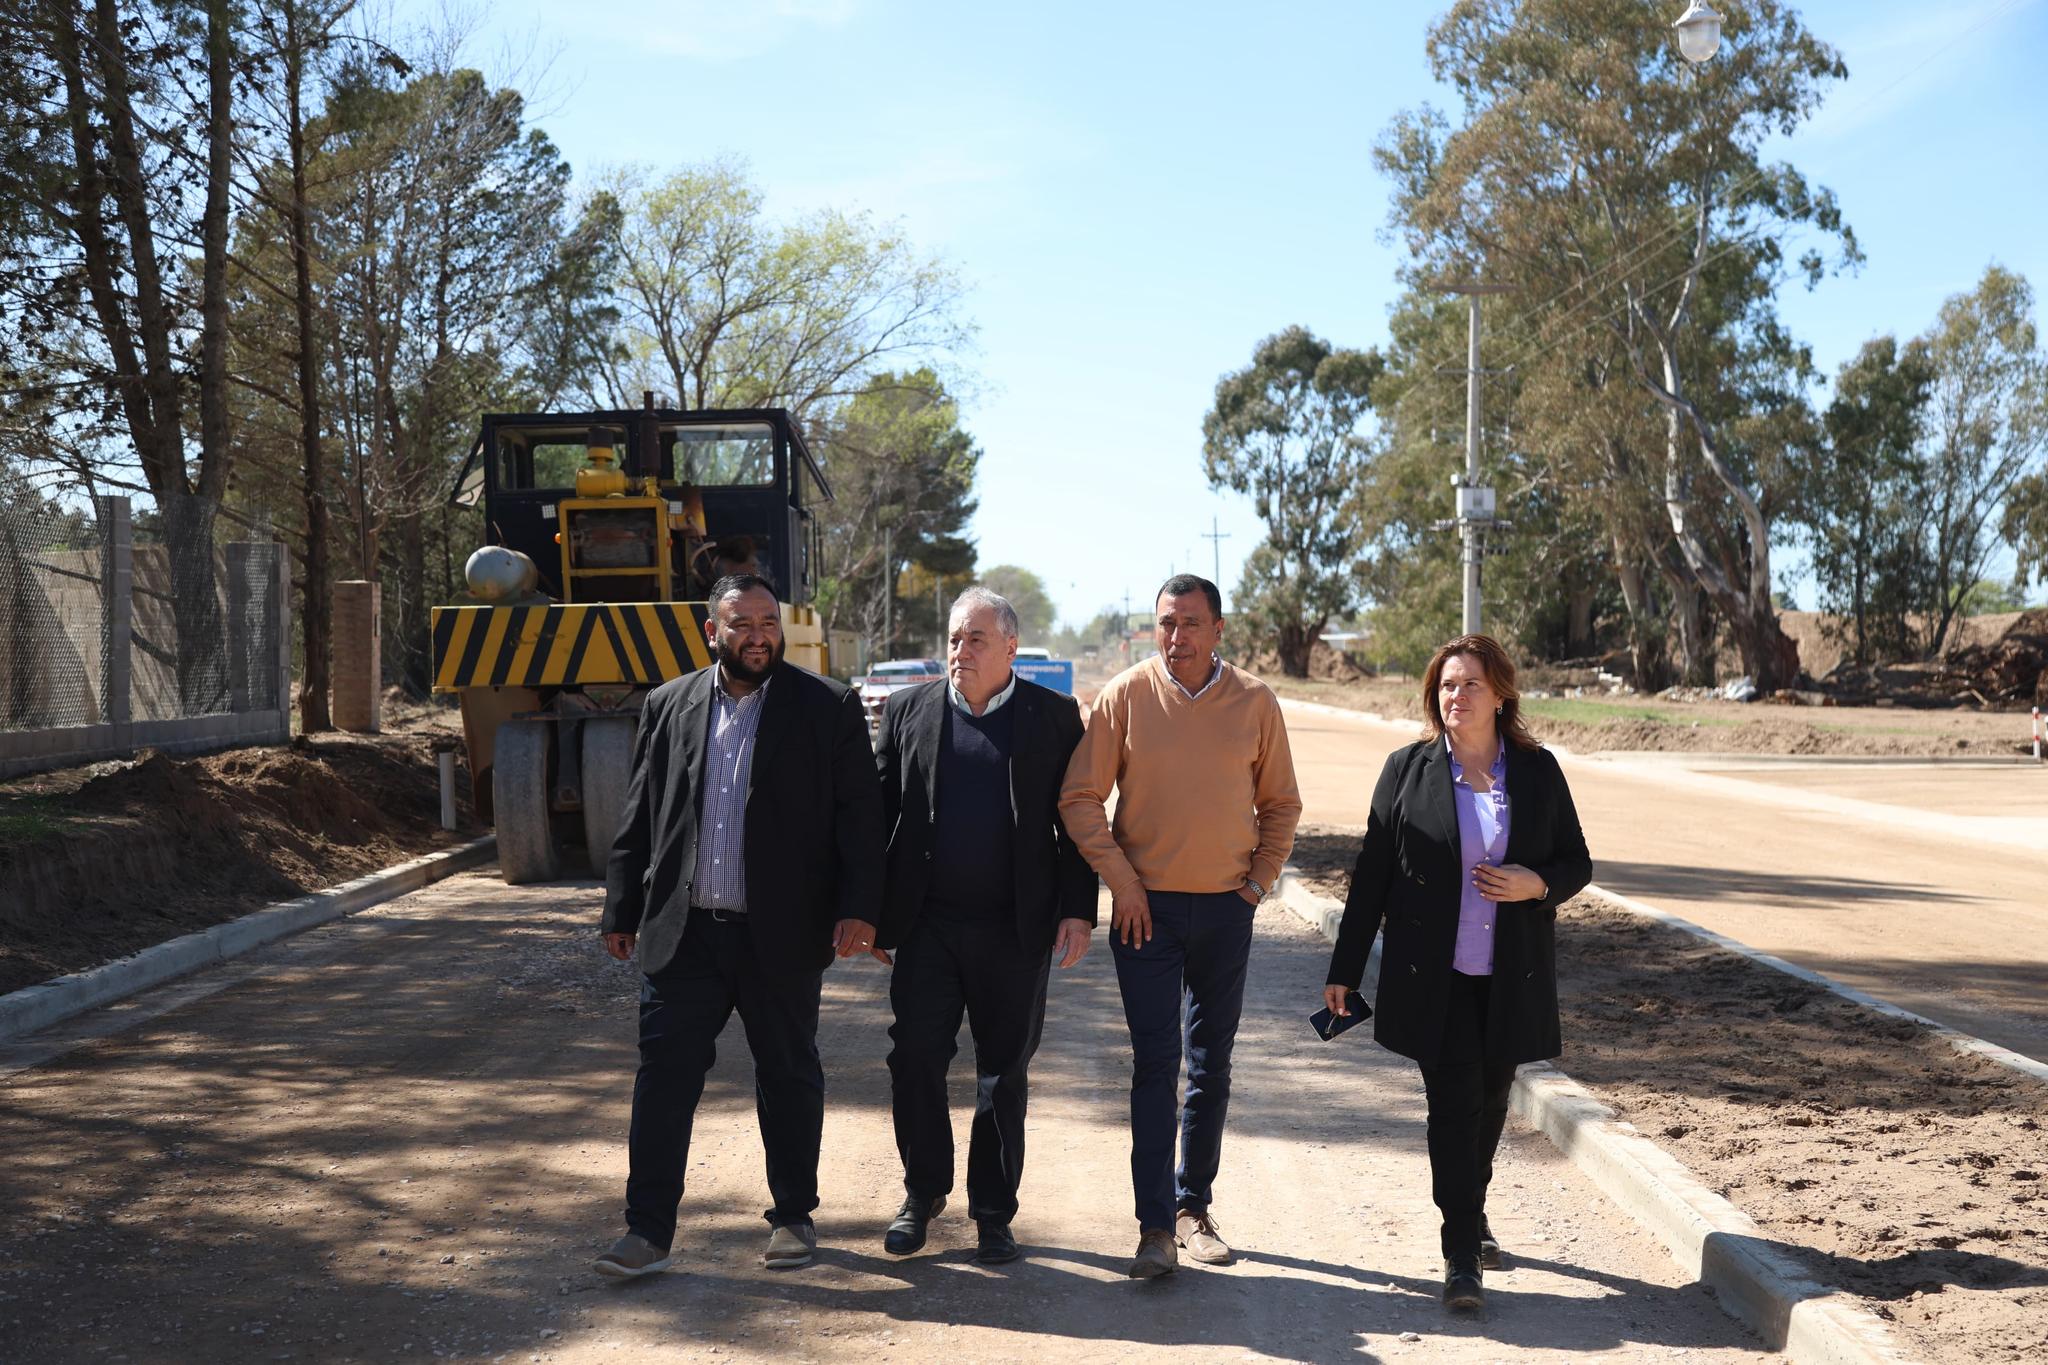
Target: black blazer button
[
  {"x": 1421, "y": 880},
  {"x": 1411, "y": 969},
  {"x": 927, "y": 855}
]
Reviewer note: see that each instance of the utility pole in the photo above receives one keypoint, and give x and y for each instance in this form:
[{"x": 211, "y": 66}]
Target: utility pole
[
  {"x": 888, "y": 590},
  {"x": 1216, "y": 539},
  {"x": 939, "y": 611},
  {"x": 1475, "y": 502}
]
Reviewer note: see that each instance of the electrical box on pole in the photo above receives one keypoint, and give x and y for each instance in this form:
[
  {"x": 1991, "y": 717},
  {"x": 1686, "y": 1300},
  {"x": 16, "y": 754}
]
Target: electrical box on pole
[{"x": 1475, "y": 502}]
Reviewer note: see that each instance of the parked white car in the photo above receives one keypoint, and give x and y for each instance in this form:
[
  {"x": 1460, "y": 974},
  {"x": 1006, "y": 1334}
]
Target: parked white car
[{"x": 893, "y": 676}]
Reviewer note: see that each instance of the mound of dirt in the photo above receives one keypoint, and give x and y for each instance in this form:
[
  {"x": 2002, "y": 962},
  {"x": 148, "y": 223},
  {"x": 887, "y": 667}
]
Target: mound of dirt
[
  {"x": 150, "y": 849},
  {"x": 2011, "y": 669},
  {"x": 1324, "y": 665}
]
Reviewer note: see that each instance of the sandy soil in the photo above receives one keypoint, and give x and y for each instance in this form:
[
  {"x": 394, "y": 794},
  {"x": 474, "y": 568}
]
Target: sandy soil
[
  {"x": 1939, "y": 913},
  {"x": 1596, "y": 724},
  {"x": 1893, "y": 1166},
  {"x": 402, "y": 1136},
  {"x": 102, "y": 861}
]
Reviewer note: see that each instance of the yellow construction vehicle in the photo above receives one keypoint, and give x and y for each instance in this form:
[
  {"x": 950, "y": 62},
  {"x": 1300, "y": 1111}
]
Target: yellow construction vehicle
[{"x": 606, "y": 531}]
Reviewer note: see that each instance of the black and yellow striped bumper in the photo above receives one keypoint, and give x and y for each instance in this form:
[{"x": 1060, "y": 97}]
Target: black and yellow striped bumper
[{"x": 554, "y": 646}]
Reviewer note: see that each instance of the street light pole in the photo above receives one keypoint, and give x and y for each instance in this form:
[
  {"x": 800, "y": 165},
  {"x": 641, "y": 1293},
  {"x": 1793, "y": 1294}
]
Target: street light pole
[
  {"x": 1475, "y": 501},
  {"x": 1216, "y": 537},
  {"x": 1468, "y": 529}
]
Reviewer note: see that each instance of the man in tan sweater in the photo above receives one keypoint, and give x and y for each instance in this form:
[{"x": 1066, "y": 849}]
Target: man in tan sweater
[{"x": 1205, "y": 813}]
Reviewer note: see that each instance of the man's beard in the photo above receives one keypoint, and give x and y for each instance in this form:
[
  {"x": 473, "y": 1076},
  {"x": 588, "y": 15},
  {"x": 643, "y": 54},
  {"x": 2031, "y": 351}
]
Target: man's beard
[{"x": 729, "y": 660}]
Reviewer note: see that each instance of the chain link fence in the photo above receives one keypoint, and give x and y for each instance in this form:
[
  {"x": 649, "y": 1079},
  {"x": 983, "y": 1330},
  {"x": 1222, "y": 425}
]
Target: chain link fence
[
  {"x": 53, "y": 613},
  {"x": 140, "y": 621}
]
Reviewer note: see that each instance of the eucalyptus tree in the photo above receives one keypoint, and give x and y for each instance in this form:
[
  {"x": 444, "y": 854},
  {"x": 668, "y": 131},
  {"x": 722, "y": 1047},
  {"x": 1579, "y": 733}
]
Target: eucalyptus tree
[
  {"x": 1987, "y": 429},
  {"x": 1629, "y": 195},
  {"x": 1860, "y": 495},
  {"x": 1291, "y": 430}
]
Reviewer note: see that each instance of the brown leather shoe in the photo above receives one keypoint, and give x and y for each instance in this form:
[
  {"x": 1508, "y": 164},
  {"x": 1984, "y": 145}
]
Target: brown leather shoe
[
  {"x": 1196, "y": 1234},
  {"x": 1156, "y": 1255}
]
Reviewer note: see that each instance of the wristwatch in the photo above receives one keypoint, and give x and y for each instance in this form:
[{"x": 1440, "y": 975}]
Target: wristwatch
[{"x": 1256, "y": 887}]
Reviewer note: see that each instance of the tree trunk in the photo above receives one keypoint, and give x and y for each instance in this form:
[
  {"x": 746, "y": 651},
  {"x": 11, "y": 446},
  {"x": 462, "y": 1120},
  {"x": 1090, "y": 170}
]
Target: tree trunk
[
  {"x": 1695, "y": 659},
  {"x": 1578, "y": 629},
  {"x": 163, "y": 460},
  {"x": 1648, "y": 664},
  {"x": 187, "y": 513},
  {"x": 1769, "y": 656},
  {"x": 213, "y": 290},
  {"x": 1295, "y": 644},
  {"x": 318, "y": 613}
]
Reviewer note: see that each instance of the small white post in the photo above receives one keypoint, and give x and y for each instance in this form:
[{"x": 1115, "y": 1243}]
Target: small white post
[
  {"x": 2037, "y": 734},
  {"x": 447, "y": 760}
]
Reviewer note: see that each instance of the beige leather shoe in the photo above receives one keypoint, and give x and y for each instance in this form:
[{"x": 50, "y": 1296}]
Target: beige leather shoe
[
  {"x": 631, "y": 1257},
  {"x": 790, "y": 1246},
  {"x": 1196, "y": 1234},
  {"x": 1156, "y": 1255}
]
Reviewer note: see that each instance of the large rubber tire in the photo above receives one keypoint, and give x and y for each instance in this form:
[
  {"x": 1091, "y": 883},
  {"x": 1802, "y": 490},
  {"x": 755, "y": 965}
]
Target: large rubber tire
[
  {"x": 527, "y": 851},
  {"x": 607, "y": 767}
]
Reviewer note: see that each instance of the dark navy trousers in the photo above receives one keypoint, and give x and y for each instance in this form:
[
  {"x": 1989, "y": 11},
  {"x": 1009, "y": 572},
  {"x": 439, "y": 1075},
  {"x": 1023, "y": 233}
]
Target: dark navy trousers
[
  {"x": 1183, "y": 996},
  {"x": 683, "y": 1009}
]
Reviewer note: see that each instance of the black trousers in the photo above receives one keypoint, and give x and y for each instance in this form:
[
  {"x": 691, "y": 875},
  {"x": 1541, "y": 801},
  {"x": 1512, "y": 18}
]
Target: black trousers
[
  {"x": 683, "y": 1009},
  {"x": 943, "y": 969},
  {"x": 1468, "y": 1108}
]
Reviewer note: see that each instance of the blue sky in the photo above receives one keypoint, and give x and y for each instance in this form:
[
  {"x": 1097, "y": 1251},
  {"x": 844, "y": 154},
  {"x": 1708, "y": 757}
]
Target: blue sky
[{"x": 1137, "y": 193}]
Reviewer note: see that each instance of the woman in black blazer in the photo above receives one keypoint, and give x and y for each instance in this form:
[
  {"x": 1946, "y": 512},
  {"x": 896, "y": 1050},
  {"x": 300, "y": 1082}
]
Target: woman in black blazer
[{"x": 1471, "y": 846}]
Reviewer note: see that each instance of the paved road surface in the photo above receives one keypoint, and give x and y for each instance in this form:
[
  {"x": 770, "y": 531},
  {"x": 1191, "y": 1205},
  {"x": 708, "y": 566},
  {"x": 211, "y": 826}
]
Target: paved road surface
[
  {"x": 402, "y": 1136},
  {"x": 1924, "y": 886}
]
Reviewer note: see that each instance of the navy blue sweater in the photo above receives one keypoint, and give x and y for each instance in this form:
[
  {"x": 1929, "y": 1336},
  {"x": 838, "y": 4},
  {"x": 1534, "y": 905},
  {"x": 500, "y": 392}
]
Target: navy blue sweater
[{"x": 974, "y": 870}]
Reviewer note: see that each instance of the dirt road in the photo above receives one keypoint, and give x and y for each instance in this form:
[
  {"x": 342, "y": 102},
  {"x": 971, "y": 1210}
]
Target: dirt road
[
  {"x": 402, "y": 1136},
  {"x": 1922, "y": 885}
]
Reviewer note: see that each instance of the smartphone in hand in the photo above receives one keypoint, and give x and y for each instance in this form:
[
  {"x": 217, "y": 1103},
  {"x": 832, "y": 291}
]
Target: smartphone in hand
[{"x": 1328, "y": 1025}]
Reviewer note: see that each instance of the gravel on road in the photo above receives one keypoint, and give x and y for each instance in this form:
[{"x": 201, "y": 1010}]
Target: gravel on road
[{"x": 403, "y": 1135}]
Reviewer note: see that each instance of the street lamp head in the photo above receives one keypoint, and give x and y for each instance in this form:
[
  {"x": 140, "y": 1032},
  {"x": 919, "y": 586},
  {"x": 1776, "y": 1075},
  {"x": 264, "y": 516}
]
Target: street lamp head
[{"x": 1699, "y": 32}]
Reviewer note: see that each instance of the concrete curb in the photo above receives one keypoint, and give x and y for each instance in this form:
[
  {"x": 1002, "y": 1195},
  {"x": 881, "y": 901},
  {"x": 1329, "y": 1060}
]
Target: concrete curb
[
  {"x": 39, "y": 1006},
  {"x": 1964, "y": 1043},
  {"x": 1706, "y": 1235}
]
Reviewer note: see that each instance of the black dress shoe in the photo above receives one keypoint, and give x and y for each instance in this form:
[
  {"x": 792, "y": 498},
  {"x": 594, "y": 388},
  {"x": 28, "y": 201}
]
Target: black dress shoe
[
  {"x": 1489, "y": 1246},
  {"x": 996, "y": 1244},
  {"x": 1463, "y": 1290},
  {"x": 907, "y": 1233}
]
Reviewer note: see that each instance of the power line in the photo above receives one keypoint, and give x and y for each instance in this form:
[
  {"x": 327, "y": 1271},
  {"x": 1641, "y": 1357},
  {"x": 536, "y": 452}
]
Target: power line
[{"x": 1589, "y": 286}]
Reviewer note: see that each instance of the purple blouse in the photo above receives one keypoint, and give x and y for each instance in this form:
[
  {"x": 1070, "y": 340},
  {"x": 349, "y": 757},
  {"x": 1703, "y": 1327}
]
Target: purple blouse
[{"x": 1482, "y": 838}]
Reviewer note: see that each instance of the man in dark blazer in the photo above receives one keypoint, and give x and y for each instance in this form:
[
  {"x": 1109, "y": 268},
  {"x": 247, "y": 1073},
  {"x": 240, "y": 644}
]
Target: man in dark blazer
[
  {"x": 750, "y": 854},
  {"x": 983, "y": 889}
]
